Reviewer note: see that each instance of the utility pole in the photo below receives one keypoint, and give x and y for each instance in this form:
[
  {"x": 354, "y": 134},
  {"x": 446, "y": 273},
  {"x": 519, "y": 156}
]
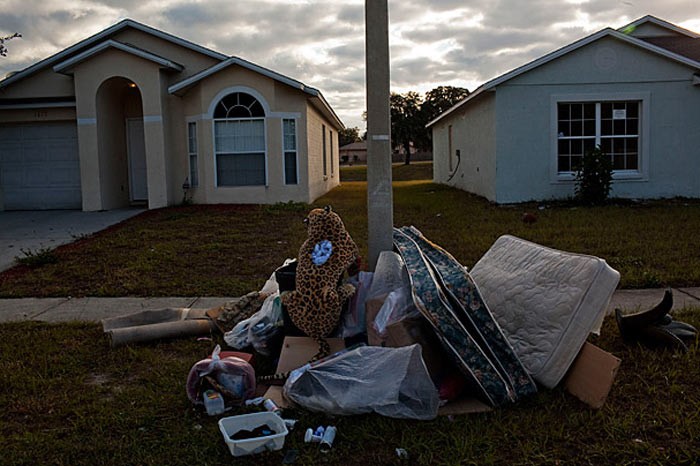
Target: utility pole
[{"x": 380, "y": 205}]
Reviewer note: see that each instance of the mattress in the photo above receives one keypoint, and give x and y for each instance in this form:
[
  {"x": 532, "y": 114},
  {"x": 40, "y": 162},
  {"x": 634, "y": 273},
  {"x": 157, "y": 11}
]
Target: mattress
[{"x": 546, "y": 301}]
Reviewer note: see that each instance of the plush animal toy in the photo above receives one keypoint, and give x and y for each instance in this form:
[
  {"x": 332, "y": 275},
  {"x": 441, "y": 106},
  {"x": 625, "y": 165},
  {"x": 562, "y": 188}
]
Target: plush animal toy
[{"x": 316, "y": 303}]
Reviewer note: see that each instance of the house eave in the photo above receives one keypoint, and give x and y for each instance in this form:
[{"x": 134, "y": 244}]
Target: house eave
[
  {"x": 658, "y": 22},
  {"x": 607, "y": 32},
  {"x": 61, "y": 56},
  {"x": 67, "y": 65}
]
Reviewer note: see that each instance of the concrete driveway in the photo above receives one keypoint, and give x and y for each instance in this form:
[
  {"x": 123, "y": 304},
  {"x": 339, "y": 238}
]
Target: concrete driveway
[{"x": 33, "y": 230}]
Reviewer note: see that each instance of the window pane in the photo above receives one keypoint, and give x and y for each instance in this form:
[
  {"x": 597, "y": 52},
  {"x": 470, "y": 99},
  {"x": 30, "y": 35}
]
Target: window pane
[
  {"x": 290, "y": 139},
  {"x": 588, "y": 145},
  {"x": 238, "y": 105},
  {"x": 589, "y": 128},
  {"x": 589, "y": 111},
  {"x": 564, "y": 111},
  {"x": 194, "y": 177},
  {"x": 577, "y": 128},
  {"x": 606, "y": 110},
  {"x": 577, "y": 147},
  {"x": 290, "y": 167},
  {"x": 240, "y": 169},
  {"x": 576, "y": 111},
  {"x": 240, "y": 136},
  {"x": 618, "y": 127},
  {"x": 192, "y": 137},
  {"x": 632, "y": 126},
  {"x": 575, "y": 163},
  {"x": 564, "y": 164},
  {"x": 632, "y": 161},
  {"x": 606, "y": 127},
  {"x": 618, "y": 162},
  {"x": 564, "y": 147}
]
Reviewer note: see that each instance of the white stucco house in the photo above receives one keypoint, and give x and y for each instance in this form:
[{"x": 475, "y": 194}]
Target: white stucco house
[
  {"x": 132, "y": 114},
  {"x": 634, "y": 91}
]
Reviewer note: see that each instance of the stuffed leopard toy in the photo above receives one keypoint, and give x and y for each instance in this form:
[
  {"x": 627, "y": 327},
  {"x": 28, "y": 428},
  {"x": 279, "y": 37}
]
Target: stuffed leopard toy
[{"x": 316, "y": 303}]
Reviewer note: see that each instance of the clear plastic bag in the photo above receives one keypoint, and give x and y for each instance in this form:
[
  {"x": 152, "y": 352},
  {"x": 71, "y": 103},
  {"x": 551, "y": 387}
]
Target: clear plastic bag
[
  {"x": 389, "y": 274},
  {"x": 397, "y": 307},
  {"x": 259, "y": 328},
  {"x": 392, "y": 382},
  {"x": 232, "y": 373},
  {"x": 353, "y": 321}
]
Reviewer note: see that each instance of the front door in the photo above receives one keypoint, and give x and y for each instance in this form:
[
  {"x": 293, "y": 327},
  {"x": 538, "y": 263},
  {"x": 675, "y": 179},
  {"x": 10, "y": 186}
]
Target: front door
[{"x": 138, "y": 184}]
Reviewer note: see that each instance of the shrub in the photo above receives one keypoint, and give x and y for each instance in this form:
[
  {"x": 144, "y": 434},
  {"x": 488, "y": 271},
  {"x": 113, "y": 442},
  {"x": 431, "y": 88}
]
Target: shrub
[
  {"x": 37, "y": 258},
  {"x": 594, "y": 177}
]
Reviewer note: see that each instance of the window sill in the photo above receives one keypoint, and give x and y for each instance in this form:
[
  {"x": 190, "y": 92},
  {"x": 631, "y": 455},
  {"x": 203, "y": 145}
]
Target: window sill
[{"x": 566, "y": 178}]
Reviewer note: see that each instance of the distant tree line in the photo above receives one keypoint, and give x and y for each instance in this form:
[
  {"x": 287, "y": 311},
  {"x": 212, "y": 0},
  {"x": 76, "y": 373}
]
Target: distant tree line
[{"x": 410, "y": 112}]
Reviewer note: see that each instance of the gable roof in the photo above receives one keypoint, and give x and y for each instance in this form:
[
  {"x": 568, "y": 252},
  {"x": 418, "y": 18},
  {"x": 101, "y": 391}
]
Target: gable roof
[
  {"x": 686, "y": 46},
  {"x": 317, "y": 98},
  {"x": 65, "y": 66},
  {"x": 607, "y": 32},
  {"x": 101, "y": 36},
  {"x": 658, "y": 22}
]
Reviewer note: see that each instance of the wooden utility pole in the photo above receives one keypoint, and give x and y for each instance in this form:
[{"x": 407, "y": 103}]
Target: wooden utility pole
[{"x": 380, "y": 205}]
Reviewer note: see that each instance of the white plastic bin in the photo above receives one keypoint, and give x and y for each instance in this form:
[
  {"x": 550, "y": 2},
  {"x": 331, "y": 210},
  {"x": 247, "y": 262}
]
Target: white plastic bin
[{"x": 231, "y": 425}]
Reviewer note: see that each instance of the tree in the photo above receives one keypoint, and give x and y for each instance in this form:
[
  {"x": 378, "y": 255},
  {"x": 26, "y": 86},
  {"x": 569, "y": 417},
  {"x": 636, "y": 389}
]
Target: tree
[
  {"x": 438, "y": 101},
  {"x": 348, "y": 136},
  {"x": 407, "y": 121},
  {"x": 3, "y": 49},
  {"x": 441, "y": 99}
]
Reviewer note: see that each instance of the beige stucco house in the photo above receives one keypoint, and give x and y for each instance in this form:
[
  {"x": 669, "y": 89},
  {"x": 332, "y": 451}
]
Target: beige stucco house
[{"x": 134, "y": 115}]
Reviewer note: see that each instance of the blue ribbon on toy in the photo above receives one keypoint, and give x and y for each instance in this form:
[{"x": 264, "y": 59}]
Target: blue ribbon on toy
[{"x": 322, "y": 251}]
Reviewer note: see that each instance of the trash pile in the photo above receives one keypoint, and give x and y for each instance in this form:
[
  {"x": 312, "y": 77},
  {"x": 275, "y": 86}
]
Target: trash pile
[{"x": 419, "y": 337}]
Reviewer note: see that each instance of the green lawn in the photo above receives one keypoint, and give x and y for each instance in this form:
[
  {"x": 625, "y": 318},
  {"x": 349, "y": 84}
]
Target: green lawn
[
  {"x": 220, "y": 251},
  {"x": 69, "y": 399}
]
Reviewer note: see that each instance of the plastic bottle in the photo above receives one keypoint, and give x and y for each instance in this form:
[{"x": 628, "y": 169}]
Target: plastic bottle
[
  {"x": 327, "y": 440},
  {"x": 213, "y": 402}
]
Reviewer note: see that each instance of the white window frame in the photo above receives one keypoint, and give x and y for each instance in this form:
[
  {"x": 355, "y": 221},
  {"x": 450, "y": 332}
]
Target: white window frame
[
  {"x": 193, "y": 176},
  {"x": 330, "y": 140},
  {"x": 296, "y": 152},
  {"x": 641, "y": 174},
  {"x": 324, "y": 152},
  {"x": 216, "y": 153}
]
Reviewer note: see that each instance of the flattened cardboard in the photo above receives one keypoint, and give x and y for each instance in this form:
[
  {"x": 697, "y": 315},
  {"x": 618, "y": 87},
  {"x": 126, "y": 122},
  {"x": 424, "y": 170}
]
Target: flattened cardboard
[
  {"x": 296, "y": 351},
  {"x": 592, "y": 374}
]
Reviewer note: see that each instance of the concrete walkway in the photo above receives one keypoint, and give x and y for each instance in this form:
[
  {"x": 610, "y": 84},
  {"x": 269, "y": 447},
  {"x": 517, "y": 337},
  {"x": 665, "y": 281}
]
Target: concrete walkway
[
  {"x": 35, "y": 230},
  {"x": 96, "y": 309}
]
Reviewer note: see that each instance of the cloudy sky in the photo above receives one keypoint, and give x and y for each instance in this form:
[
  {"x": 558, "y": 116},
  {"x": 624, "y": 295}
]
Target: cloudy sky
[{"x": 321, "y": 43}]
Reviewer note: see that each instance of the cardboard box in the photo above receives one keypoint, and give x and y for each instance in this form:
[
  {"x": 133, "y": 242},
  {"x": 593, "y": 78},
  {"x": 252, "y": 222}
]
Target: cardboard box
[
  {"x": 590, "y": 378},
  {"x": 592, "y": 374}
]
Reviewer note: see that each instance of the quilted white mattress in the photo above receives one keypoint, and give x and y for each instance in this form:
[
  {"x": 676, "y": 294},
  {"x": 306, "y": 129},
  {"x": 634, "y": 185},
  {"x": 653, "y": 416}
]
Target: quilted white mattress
[{"x": 546, "y": 301}]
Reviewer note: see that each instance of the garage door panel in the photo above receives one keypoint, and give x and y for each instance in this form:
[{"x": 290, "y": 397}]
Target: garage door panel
[
  {"x": 11, "y": 177},
  {"x": 39, "y": 166},
  {"x": 10, "y": 152},
  {"x": 62, "y": 151}
]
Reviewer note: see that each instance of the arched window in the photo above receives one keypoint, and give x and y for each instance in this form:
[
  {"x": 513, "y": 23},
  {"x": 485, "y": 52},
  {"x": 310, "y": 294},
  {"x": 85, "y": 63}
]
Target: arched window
[{"x": 239, "y": 140}]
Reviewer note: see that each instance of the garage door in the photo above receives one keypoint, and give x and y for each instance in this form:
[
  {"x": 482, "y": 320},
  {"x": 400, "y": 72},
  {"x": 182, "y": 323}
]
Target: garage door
[{"x": 39, "y": 166}]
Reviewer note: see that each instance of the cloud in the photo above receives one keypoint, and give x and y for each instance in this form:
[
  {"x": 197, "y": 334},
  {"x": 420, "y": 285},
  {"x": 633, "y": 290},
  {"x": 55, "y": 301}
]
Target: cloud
[{"x": 321, "y": 43}]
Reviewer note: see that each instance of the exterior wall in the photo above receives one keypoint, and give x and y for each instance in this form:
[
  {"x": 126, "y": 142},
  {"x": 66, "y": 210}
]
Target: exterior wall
[
  {"x": 318, "y": 183},
  {"x": 45, "y": 83},
  {"x": 89, "y": 76},
  {"x": 194, "y": 62},
  {"x": 526, "y": 108},
  {"x": 652, "y": 30},
  {"x": 281, "y": 101},
  {"x": 474, "y": 135}
]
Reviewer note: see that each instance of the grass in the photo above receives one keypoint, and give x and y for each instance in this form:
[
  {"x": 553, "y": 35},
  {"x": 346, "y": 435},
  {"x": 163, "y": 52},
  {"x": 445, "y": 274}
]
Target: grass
[
  {"x": 68, "y": 398},
  {"x": 399, "y": 172},
  {"x": 218, "y": 250}
]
